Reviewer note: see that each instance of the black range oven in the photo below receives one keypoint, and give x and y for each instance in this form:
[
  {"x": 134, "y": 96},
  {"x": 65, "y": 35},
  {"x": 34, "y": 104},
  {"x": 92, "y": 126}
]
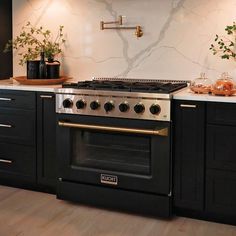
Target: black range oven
[{"x": 113, "y": 151}]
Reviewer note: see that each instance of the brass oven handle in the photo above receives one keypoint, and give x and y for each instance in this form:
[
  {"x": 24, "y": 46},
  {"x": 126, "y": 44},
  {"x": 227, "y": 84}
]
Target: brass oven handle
[
  {"x": 6, "y": 161},
  {"x": 5, "y": 126},
  {"x": 160, "y": 132}
]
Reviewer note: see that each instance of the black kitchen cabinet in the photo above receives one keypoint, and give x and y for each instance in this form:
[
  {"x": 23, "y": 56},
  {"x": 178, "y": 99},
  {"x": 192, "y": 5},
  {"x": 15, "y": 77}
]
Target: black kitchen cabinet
[
  {"x": 17, "y": 138},
  {"x": 221, "y": 159},
  {"x": 189, "y": 161},
  {"x": 5, "y": 35},
  {"x": 46, "y": 141},
  {"x": 28, "y": 140},
  {"x": 204, "y": 160}
]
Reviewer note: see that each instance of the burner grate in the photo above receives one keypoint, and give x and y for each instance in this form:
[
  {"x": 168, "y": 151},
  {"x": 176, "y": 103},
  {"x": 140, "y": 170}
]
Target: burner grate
[
  {"x": 139, "y": 80},
  {"x": 128, "y": 85}
]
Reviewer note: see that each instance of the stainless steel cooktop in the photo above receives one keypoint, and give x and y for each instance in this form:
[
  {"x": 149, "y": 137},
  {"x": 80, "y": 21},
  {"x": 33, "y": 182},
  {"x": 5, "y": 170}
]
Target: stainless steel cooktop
[{"x": 123, "y": 98}]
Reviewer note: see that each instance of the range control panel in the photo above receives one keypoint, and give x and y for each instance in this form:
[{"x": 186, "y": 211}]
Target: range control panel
[{"x": 114, "y": 106}]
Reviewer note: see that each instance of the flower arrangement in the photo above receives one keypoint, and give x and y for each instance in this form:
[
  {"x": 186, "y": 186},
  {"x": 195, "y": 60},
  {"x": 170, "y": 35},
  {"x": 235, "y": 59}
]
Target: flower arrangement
[
  {"x": 226, "y": 47},
  {"x": 33, "y": 40}
]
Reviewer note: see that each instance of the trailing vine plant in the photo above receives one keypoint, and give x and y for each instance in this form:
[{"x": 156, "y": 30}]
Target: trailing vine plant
[{"x": 224, "y": 46}]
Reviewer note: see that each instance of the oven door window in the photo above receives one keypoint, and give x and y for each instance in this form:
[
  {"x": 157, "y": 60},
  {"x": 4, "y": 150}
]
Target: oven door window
[{"x": 111, "y": 151}]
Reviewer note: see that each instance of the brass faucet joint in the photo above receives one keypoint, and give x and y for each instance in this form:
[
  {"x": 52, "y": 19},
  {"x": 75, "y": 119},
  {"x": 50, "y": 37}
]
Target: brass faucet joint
[{"x": 138, "y": 29}]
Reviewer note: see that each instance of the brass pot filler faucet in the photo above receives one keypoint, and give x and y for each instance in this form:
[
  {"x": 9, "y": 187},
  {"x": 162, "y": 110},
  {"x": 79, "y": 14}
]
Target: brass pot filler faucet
[{"x": 138, "y": 29}]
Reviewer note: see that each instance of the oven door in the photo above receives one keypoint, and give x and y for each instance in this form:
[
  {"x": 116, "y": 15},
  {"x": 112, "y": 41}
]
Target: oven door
[{"x": 120, "y": 153}]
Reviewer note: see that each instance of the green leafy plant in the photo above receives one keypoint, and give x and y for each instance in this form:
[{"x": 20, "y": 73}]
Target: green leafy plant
[
  {"x": 226, "y": 47},
  {"x": 33, "y": 40}
]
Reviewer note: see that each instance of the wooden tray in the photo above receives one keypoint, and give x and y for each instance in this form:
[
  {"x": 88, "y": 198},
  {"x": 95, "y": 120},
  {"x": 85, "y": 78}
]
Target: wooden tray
[{"x": 25, "y": 81}]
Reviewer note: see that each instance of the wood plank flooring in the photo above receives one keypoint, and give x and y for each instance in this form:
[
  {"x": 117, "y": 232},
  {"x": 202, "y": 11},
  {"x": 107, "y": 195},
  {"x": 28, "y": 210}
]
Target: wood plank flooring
[{"x": 28, "y": 213}]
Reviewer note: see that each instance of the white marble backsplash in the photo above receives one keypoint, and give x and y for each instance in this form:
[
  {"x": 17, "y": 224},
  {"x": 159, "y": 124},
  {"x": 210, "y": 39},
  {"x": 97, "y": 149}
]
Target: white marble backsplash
[{"x": 175, "y": 44}]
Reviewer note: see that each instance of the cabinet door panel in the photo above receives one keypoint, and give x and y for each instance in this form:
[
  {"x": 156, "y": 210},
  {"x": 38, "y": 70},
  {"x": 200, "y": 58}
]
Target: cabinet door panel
[
  {"x": 188, "y": 142},
  {"x": 46, "y": 143},
  {"x": 221, "y": 147},
  {"x": 221, "y": 192}
]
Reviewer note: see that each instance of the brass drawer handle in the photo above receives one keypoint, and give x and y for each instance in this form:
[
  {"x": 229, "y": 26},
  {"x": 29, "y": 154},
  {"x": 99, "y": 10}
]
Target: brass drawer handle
[
  {"x": 160, "y": 132},
  {"x": 6, "y": 99},
  {"x": 6, "y": 126},
  {"x": 188, "y": 106},
  {"x": 46, "y": 96},
  {"x": 6, "y": 161}
]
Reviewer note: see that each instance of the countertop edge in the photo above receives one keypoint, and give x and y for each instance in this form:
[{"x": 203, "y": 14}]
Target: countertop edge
[
  {"x": 9, "y": 84},
  {"x": 187, "y": 94}
]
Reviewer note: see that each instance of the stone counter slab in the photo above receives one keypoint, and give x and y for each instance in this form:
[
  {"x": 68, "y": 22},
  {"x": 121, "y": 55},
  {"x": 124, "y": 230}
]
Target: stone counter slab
[
  {"x": 13, "y": 85},
  {"x": 187, "y": 94}
]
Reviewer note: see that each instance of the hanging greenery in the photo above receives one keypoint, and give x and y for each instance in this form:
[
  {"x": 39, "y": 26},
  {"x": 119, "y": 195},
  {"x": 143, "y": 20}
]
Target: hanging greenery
[{"x": 224, "y": 46}]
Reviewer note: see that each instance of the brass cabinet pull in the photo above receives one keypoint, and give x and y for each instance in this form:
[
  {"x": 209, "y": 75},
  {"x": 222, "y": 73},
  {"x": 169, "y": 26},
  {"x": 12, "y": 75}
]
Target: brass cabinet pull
[
  {"x": 6, "y": 99},
  {"x": 46, "y": 96},
  {"x": 188, "y": 105},
  {"x": 5, "y": 126},
  {"x": 6, "y": 161},
  {"x": 160, "y": 132}
]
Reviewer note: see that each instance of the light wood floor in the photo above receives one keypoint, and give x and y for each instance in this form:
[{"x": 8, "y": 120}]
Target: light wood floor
[{"x": 28, "y": 213}]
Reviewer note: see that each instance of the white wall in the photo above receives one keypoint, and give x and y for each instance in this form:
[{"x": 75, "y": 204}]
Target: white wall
[{"x": 175, "y": 44}]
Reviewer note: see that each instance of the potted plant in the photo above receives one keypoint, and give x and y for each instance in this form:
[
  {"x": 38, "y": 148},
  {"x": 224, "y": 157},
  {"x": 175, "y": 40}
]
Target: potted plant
[{"x": 32, "y": 41}]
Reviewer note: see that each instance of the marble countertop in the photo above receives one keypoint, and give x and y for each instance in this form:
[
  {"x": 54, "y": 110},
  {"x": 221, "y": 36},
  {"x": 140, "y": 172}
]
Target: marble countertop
[
  {"x": 187, "y": 94},
  {"x": 14, "y": 85}
]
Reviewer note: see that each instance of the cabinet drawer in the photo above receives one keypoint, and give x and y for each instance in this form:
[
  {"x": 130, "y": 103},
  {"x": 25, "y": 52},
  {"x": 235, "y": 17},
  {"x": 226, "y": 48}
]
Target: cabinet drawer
[
  {"x": 17, "y": 160},
  {"x": 221, "y": 192},
  {"x": 221, "y": 113},
  {"x": 220, "y": 148},
  {"x": 17, "y": 126},
  {"x": 17, "y": 99}
]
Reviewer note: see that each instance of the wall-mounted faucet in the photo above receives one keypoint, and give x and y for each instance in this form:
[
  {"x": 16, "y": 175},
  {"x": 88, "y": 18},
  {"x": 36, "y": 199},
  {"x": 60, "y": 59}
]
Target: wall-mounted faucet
[
  {"x": 119, "y": 22},
  {"x": 138, "y": 29}
]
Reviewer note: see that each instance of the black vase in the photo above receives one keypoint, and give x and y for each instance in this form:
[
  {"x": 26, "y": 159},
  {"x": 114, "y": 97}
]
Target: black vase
[
  {"x": 53, "y": 70},
  {"x": 42, "y": 67},
  {"x": 33, "y": 69}
]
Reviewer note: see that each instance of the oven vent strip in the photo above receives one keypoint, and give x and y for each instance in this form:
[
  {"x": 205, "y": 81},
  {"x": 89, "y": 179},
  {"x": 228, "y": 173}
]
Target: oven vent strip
[{"x": 139, "y": 80}]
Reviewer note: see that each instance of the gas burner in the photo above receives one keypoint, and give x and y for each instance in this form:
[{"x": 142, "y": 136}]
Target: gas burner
[{"x": 129, "y": 86}]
